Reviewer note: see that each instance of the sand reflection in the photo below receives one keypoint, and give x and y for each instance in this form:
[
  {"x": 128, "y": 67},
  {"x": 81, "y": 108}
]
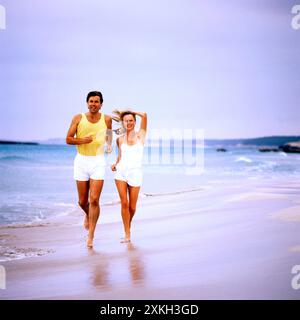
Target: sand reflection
[
  {"x": 135, "y": 264},
  {"x": 114, "y": 270}
]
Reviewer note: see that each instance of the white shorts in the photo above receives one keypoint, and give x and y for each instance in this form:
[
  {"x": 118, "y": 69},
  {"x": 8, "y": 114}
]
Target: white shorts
[
  {"x": 89, "y": 167},
  {"x": 133, "y": 176}
]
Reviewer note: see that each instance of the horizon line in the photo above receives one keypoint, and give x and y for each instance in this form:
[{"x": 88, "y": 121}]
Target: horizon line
[{"x": 252, "y": 138}]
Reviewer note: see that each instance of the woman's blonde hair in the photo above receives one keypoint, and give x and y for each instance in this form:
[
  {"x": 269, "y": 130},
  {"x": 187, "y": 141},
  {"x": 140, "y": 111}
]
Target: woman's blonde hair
[{"x": 119, "y": 115}]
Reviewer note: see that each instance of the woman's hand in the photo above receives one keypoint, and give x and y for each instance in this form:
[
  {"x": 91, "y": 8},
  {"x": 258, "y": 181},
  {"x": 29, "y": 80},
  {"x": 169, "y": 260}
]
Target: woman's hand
[
  {"x": 108, "y": 148},
  {"x": 113, "y": 167}
]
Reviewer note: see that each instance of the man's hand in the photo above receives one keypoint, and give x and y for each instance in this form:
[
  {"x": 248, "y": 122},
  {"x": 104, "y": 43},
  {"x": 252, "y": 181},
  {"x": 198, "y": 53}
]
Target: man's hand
[{"x": 87, "y": 140}]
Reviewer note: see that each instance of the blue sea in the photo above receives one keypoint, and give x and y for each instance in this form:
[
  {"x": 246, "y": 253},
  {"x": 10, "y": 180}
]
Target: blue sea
[{"x": 37, "y": 180}]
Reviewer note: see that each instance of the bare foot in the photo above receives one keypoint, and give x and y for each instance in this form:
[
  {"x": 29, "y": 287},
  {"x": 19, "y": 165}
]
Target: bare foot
[
  {"x": 89, "y": 243},
  {"x": 86, "y": 222},
  {"x": 125, "y": 240}
]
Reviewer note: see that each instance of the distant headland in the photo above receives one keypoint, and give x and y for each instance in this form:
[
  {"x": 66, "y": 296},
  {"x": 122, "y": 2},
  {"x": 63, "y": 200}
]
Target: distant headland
[
  {"x": 288, "y": 144},
  {"x": 274, "y": 141},
  {"x": 17, "y": 142}
]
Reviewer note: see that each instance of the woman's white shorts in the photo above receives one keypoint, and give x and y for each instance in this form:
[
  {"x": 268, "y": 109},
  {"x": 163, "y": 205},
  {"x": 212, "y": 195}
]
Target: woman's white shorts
[
  {"x": 89, "y": 167},
  {"x": 133, "y": 176}
]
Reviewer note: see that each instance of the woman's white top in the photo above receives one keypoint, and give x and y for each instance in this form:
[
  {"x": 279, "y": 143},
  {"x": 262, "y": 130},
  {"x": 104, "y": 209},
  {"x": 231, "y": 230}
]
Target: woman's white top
[{"x": 131, "y": 155}]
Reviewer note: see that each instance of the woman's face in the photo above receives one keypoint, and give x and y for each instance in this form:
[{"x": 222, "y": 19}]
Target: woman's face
[{"x": 128, "y": 122}]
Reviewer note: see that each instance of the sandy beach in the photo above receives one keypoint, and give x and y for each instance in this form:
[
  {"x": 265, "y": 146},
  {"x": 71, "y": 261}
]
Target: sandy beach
[{"x": 227, "y": 240}]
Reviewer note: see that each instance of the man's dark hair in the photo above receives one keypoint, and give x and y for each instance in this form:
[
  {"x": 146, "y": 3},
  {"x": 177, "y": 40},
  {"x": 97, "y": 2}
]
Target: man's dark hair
[
  {"x": 95, "y": 94},
  {"x": 126, "y": 113}
]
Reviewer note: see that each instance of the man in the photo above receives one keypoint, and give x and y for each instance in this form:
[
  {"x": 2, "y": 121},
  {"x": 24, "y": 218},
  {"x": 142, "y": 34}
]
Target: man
[{"x": 92, "y": 130}]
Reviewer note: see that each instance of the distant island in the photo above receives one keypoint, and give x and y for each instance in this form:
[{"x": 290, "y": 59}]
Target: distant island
[
  {"x": 273, "y": 141},
  {"x": 288, "y": 144},
  {"x": 17, "y": 142}
]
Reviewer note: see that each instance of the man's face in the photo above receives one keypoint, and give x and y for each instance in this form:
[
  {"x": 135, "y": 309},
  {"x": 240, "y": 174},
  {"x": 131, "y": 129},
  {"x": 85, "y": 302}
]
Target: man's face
[
  {"x": 128, "y": 122},
  {"x": 94, "y": 104}
]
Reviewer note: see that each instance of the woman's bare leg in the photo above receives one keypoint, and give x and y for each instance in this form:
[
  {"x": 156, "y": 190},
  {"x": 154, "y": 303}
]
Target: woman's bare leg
[
  {"x": 122, "y": 190},
  {"x": 133, "y": 196}
]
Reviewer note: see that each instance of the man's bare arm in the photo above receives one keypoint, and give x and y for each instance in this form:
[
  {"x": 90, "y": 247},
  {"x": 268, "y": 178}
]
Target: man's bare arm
[{"x": 70, "y": 139}]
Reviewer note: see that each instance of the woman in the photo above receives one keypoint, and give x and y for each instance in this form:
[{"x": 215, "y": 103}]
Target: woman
[{"x": 128, "y": 176}]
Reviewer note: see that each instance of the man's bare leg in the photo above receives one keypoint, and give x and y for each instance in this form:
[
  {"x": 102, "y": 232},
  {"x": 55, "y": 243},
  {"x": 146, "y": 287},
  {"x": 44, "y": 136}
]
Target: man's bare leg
[
  {"x": 94, "y": 208},
  {"x": 83, "y": 188}
]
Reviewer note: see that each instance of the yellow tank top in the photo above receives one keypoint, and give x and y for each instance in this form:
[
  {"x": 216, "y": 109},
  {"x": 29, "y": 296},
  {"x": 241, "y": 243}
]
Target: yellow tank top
[{"x": 97, "y": 130}]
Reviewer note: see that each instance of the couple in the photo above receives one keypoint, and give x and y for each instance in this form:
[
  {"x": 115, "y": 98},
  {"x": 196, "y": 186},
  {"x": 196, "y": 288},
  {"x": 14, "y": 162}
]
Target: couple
[{"x": 89, "y": 132}]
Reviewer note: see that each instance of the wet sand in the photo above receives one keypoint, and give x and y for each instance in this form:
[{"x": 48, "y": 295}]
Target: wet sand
[{"x": 229, "y": 240}]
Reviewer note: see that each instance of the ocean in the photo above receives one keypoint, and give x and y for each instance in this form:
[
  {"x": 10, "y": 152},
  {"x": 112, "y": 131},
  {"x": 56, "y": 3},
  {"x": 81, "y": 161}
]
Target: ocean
[{"x": 37, "y": 180}]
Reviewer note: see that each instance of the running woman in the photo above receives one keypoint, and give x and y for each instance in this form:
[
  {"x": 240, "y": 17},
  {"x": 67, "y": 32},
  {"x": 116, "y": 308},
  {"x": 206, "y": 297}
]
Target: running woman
[{"x": 128, "y": 167}]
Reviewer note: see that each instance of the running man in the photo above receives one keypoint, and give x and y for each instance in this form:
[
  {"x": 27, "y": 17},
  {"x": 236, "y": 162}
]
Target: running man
[{"x": 92, "y": 130}]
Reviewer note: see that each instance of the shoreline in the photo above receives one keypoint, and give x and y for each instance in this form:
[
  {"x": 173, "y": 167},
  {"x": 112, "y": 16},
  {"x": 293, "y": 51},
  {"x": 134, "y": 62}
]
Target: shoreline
[{"x": 75, "y": 208}]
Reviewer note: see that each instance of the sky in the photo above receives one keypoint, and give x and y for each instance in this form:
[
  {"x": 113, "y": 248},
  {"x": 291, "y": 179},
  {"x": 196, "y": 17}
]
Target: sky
[{"x": 230, "y": 68}]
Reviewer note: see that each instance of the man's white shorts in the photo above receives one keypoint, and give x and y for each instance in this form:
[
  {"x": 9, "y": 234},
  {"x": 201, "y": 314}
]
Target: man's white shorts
[{"x": 89, "y": 167}]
